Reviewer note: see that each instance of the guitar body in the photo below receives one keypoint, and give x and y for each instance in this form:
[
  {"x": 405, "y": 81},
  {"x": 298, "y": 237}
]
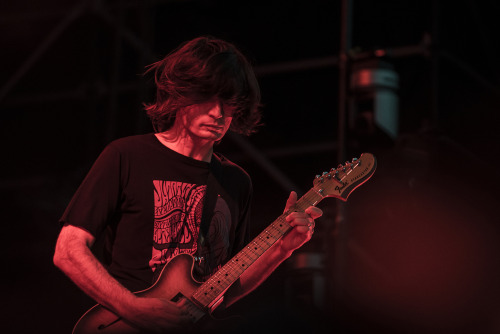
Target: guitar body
[{"x": 176, "y": 281}]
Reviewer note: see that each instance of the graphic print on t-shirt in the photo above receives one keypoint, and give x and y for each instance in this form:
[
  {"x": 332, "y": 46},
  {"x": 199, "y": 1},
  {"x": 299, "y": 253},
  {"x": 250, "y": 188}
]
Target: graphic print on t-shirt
[
  {"x": 213, "y": 250},
  {"x": 178, "y": 208}
]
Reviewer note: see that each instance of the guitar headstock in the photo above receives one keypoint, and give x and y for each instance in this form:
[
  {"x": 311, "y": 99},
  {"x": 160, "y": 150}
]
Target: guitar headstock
[{"x": 340, "y": 182}]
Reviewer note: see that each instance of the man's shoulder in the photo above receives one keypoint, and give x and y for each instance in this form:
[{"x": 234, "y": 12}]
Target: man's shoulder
[{"x": 230, "y": 168}]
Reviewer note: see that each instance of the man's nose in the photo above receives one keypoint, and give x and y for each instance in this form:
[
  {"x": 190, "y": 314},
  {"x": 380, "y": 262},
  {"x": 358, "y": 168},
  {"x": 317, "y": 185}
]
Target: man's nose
[{"x": 216, "y": 111}]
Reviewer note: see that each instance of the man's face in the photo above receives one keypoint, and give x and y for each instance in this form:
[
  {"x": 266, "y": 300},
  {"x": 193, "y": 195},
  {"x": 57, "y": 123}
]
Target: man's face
[{"x": 207, "y": 121}]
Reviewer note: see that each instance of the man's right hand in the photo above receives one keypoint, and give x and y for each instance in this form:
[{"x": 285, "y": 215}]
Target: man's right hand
[
  {"x": 156, "y": 315},
  {"x": 74, "y": 257}
]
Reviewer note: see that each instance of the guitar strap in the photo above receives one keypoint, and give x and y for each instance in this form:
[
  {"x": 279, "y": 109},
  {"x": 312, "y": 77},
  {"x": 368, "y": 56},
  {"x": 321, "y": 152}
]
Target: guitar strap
[
  {"x": 214, "y": 182},
  {"x": 214, "y": 186}
]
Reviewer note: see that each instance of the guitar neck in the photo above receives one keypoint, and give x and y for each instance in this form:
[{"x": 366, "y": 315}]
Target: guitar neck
[{"x": 210, "y": 292}]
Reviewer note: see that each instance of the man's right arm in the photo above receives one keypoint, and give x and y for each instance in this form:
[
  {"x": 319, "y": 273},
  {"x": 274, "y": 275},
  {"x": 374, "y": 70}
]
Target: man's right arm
[{"x": 74, "y": 257}]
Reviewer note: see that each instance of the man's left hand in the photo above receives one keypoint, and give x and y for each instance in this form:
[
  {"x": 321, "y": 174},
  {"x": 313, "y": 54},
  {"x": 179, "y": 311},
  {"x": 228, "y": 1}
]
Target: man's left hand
[{"x": 302, "y": 223}]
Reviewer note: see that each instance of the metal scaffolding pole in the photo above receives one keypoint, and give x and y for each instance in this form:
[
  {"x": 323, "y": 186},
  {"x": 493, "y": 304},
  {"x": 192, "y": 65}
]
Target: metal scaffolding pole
[
  {"x": 345, "y": 46},
  {"x": 338, "y": 230},
  {"x": 435, "y": 121},
  {"x": 112, "y": 114}
]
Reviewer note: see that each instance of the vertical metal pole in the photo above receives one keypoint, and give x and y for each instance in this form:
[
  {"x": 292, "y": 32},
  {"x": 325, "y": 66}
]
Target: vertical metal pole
[
  {"x": 112, "y": 113},
  {"x": 345, "y": 46},
  {"x": 93, "y": 141},
  {"x": 339, "y": 228},
  {"x": 146, "y": 19},
  {"x": 435, "y": 66}
]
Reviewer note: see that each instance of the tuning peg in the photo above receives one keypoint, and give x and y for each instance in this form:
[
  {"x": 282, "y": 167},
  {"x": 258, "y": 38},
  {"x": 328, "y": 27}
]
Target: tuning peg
[{"x": 320, "y": 178}]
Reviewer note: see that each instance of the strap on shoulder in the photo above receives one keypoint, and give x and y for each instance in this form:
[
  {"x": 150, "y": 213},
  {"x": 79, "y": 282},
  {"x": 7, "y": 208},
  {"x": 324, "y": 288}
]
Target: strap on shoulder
[{"x": 213, "y": 184}]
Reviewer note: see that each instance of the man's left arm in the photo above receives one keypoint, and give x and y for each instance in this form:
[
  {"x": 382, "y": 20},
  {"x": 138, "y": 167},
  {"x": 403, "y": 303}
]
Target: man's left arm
[{"x": 303, "y": 228}]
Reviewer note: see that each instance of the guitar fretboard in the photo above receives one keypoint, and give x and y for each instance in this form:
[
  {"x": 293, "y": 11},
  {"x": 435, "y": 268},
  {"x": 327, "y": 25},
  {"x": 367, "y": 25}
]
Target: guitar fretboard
[{"x": 218, "y": 283}]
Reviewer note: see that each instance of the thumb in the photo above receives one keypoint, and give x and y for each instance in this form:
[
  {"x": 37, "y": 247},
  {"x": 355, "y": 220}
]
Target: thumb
[{"x": 292, "y": 199}]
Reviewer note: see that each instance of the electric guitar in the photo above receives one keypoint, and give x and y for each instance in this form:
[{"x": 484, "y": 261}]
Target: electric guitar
[{"x": 176, "y": 281}]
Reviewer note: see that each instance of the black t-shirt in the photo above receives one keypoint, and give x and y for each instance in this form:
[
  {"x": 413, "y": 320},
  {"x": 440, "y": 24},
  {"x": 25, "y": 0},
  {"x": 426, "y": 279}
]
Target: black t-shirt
[{"x": 148, "y": 201}]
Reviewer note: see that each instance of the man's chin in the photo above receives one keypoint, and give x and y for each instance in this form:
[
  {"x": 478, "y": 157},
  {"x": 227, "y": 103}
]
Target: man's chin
[{"x": 213, "y": 135}]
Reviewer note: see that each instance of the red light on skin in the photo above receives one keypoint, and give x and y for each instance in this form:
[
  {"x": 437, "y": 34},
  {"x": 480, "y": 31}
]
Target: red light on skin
[{"x": 380, "y": 53}]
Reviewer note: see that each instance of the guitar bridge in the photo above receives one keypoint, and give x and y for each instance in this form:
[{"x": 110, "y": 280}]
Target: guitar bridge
[{"x": 186, "y": 305}]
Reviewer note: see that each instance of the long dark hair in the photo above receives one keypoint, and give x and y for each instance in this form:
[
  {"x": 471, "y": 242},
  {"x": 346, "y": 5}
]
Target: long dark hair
[{"x": 199, "y": 70}]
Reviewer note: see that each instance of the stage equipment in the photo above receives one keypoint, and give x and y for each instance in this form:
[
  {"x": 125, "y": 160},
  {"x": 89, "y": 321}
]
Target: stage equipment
[{"x": 374, "y": 101}]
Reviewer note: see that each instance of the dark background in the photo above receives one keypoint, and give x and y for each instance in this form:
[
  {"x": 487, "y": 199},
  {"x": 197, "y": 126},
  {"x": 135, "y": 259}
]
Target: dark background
[{"x": 418, "y": 249}]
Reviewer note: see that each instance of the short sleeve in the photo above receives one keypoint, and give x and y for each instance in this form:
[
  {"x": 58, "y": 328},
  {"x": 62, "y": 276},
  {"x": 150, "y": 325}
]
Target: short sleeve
[{"x": 97, "y": 199}]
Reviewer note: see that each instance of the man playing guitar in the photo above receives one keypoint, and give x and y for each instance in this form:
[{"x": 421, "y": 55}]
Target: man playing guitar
[{"x": 158, "y": 195}]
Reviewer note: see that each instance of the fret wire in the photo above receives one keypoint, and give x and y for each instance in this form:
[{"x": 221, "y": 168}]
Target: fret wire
[
  {"x": 264, "y": 239},
  {"x": 274, "y": 227},
  {"x": 305, "y": 198},
  {"x": 252, "y": 250},
  {"x": 247, "y": 253},
  {"x": 284, "y": 226},
  {"x": 316, "y": 195},
  {"x": 222, "y": 279},
  {"x": 258, "y": 248},
  {"x": 274, "y": 231},
  {"x": 230, "y": 278},
  {"x": 241, "y": 259}
]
